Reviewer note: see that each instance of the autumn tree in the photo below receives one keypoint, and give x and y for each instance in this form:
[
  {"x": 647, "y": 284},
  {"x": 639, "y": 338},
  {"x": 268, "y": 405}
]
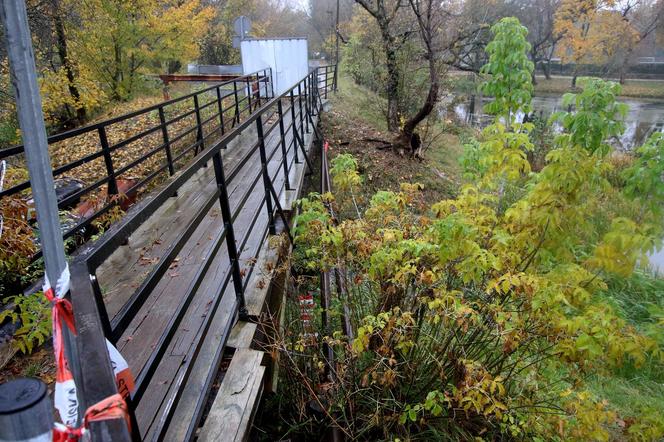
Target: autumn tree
[
  {"x": 435, "y": 35},
  {"x": 643, "y": 16},
  {"x": 120, "y": 41},
  {"x": 592, "y": 31}
]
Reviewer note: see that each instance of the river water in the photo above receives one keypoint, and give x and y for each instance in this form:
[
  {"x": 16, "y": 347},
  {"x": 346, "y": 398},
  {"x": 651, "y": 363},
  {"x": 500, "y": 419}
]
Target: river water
[{"x": 644, "y": 118}]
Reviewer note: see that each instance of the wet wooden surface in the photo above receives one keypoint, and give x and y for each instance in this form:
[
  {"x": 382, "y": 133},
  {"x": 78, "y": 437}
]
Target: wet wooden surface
[{"x": 127, "y": 268}]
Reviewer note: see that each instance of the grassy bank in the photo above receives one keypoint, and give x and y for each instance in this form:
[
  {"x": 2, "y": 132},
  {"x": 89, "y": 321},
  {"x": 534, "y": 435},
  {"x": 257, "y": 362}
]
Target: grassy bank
[
  {"x": 632, "y": 88},
  {"x": 356, "y": 120},
  {"x": 652, "y": 89}
]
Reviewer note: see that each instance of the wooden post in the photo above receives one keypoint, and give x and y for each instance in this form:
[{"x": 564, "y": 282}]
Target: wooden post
[{"x": 26, "y": 413}]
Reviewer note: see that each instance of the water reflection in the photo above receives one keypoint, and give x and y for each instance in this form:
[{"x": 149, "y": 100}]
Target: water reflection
[
  {"x": 656, "y": 262},
  {"x": 644, "y": 116}
]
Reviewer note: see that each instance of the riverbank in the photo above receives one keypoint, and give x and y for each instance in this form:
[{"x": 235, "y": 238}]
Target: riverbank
[
  {"x": 631, "y": 88},
  {"x": 559, "y": 84}
]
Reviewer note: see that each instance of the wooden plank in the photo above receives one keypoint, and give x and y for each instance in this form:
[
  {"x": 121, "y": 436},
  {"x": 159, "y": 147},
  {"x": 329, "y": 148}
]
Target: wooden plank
[
  {"x": 207, "y": 364},
  {"x": 124, "y": 270},
  {"x": 233, "y": 407},
  {"x": 259, "y": 284},
  {"x": 242, "y": 335}
]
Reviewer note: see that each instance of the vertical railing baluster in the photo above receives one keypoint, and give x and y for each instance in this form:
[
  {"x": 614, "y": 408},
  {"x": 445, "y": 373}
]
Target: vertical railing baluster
[
  {"x": 335, "y": 80},
  {"x": 299, "y": 100},
  {"x": 271, "y": 82},
  {"x": 306, "y": 103},
  {"x": 266, "y": 175},
  {"x": 258, "y": 91},
  {"x": 199, "y": 127},
  {"x": 99, "y": 301},
  {"x": 326, "y": 75},
  {"x": 249, "y": 94},
  {"x": 294, "y": 126},
  {"x": 108, "y": 161},
  {"x": 220, "y": 108},
  {"x": 284, "y": 151},
  {"x": 236, "y": 119},
  {"x": 312, "y": 93},
  {"x": 167, "y": 143},
  {"x": 230, "y": 233}
]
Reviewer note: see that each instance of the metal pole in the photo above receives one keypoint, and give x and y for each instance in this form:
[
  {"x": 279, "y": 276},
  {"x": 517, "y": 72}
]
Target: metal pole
[
  {"x": 284, "y": 150},
  {"x": 26, "y": 413},
  {"x": 231, "y": 245},
  {"x": 236, "y": 118},
  {"x": 167, "y": 142},
  {"x": 266, "y": 176},
  {"x": 31, "y": 122},
  {"x": 294, "y": 126},
  {"x": 336, "y": 58}
]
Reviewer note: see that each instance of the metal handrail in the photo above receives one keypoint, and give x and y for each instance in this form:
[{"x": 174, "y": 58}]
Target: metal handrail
[
  {"x": 252, "y": 84},
  {"x": 93, "y": 255}
]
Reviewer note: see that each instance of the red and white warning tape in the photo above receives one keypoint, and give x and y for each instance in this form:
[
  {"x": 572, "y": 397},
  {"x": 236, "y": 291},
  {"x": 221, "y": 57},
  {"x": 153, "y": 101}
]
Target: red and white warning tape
[
  {"x": 66, "y": 400},
  {"x": 307, "y": 307}
]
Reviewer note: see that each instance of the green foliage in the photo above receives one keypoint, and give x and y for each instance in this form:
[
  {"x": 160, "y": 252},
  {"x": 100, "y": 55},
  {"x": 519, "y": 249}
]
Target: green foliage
[
  {"x": 344, "y": 172},
  {"x": 471, "y": 160},
  {"x": 33, "y": 313},
  {"x": 482, "y": 315},
  {"x": 643, "y": 180},
  {"x": 596, "y": 118},
  {"x": 510, "y": 70}
]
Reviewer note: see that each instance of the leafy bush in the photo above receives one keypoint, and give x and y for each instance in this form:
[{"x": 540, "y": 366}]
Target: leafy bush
[
  {"x": 33, "y": 314},
  {"x": 481, "y": 316}
]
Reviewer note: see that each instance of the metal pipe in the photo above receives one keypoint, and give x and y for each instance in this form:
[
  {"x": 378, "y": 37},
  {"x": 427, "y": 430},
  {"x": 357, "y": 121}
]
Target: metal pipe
[{"x": 31, "y": 121}]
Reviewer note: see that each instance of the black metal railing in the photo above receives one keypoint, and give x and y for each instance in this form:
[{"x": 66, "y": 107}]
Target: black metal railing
[
  {"x": 177, "y": 129},
  {"x": 327, "y": 79},
  {"x": 287, "y": 118}
]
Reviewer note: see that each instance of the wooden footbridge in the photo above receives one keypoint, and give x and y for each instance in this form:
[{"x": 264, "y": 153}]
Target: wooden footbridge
[{"x": 182, "y": 277}]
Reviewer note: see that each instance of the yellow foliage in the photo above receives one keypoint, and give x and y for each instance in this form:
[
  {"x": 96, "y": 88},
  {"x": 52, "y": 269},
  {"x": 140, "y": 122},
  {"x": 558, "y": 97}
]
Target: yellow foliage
[{"x": 592, "y": 31}]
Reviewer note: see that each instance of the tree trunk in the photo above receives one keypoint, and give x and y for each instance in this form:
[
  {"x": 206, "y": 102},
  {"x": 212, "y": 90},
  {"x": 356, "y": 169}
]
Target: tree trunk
[
  {"x": 547, "y": 69},
  {"x": 392, "y": 86},
  {"x": 408, "y": 135},
  {"x": 61, "y": 44},
  {"x": 533, "y": 56}
]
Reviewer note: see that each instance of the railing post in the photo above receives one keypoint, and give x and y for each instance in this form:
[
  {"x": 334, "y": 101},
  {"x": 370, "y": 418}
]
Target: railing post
[
  {"x": 326, "y": 74},
  {"x": 199, "y": 127},
  {"x": 299, "y": 100},
  {"x": 266, "y": 175},
  {"x": 108, "y": 161},
  {"x": 294, "y": 126},
  {"x": 249, "y": 94},
  {"x": 336, "y": 76},
  {"x": 284, "y": 152},
  {"x": 167, "y": 143},
  {"x": 313, "y": 77},
  {"x": 230, "y": 232},
  {"x": 258, "y": 89},
  {"x": 306, "y": 104},
  {"x": 236, "y": 118},
  {"x": 221, "y": 112},
  {"x": 271, "y": 82}
]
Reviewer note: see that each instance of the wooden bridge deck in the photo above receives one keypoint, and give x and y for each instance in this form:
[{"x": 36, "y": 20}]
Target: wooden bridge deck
[{"x": 123, "y": 272}]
